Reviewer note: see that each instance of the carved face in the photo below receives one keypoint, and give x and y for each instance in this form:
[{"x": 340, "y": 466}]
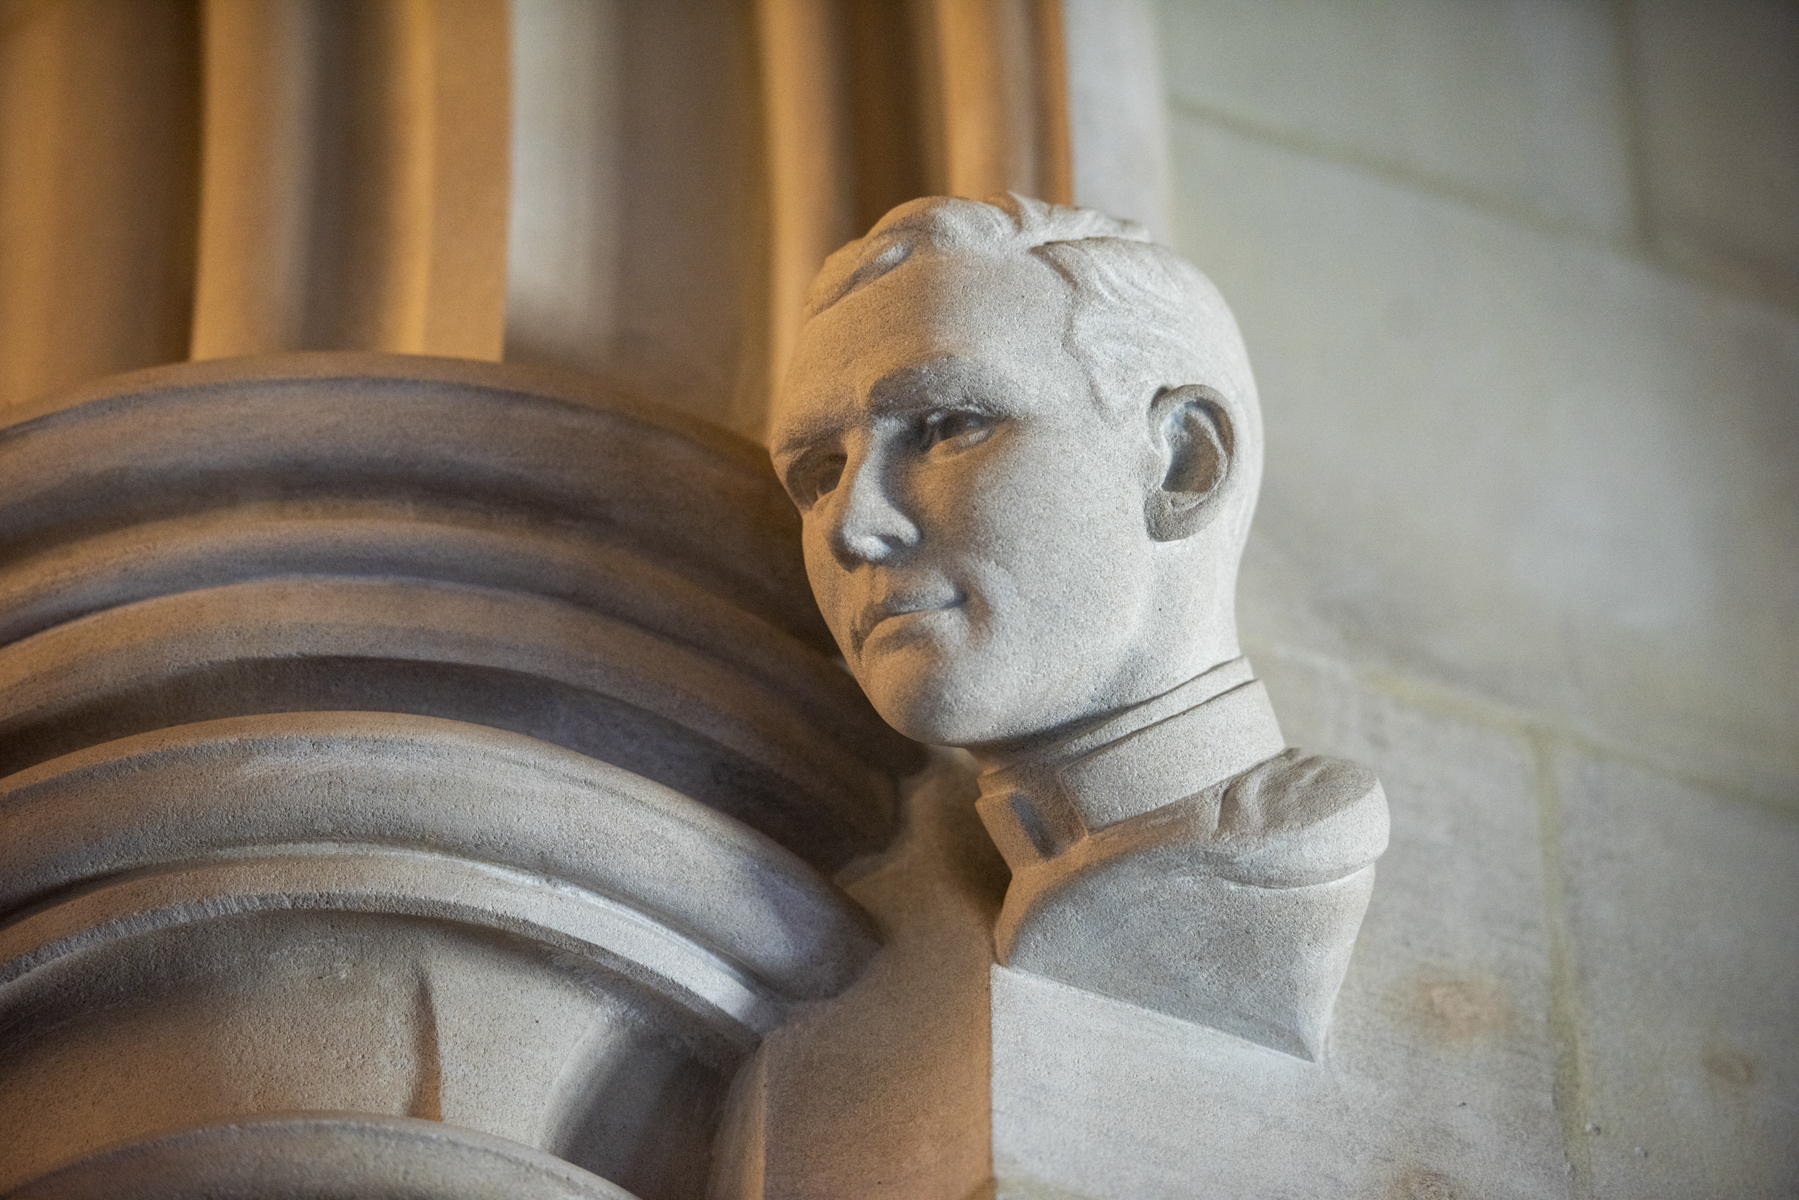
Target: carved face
[{"x": 974, "y": 522}]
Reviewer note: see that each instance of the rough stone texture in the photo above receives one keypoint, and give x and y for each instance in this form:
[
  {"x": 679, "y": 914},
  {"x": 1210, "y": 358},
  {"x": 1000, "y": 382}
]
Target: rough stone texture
[
  {"x": 1516, "y": 277},
  {"x": 317, "y": 547},
  {"x": 368, "y": 779},
  {"x": 1233, "y": 903}
]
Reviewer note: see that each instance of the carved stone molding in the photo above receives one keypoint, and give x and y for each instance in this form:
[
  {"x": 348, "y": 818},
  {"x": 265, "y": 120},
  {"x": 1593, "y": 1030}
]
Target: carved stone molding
[
  {"x": 407, "y": 738},
  {"x": 323, "y": 1158}
]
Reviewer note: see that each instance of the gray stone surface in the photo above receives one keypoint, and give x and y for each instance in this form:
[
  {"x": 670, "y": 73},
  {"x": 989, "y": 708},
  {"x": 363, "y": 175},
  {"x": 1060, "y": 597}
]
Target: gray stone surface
[
  {"x": 1235, "y": 904},
  {"x": 491, "y": 797},
  {"x": 1117, "y": 120},
  {"x": 342, "y": 426},
  {"x": 1521, "y": 104},
  {"x": 1609, "y": 537},
  {"x": 1683, "y": 916},
  {"x": 489, "y": 656},
  {"x": 1518, "y": 279},
  {"x": 316, "y": 552},
  {"x": 1530, "y": 477},
  {"x": 1718, "y": 103},
  {"x": 631, "y": 253},
  {"x": 918, "y": 1021}
]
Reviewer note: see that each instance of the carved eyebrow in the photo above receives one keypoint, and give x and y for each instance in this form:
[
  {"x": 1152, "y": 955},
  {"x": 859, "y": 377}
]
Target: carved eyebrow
[
  {"x": 797, "y": 442},
  {"x": 948, "y": 382},
  {"x": 803, "y": 435}
]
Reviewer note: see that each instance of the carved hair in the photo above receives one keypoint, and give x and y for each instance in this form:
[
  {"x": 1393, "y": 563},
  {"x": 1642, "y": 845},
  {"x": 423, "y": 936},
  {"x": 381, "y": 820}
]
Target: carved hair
[{"x": 1140, "y": 317}]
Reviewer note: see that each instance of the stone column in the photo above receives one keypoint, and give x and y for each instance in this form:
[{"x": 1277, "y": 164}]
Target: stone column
[
  {"x": 424, "y": 772},
  {"x": 387, "y": 740}
]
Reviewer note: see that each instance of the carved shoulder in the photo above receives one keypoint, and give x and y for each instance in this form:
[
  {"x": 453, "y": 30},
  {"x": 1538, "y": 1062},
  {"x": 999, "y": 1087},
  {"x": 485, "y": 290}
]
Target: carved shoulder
[
  {"x": 1236, "y": 907},
  {"x": 1296, "y": 819}
]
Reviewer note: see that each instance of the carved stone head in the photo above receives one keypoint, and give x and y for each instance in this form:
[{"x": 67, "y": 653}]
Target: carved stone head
[
  {"x": 1025, "y": 445},
  {"x": 1025, "y": 448}
]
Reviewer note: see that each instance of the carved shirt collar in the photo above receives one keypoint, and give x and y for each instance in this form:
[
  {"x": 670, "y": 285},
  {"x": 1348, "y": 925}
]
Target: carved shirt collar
[{"x": 1212, "y": 727}]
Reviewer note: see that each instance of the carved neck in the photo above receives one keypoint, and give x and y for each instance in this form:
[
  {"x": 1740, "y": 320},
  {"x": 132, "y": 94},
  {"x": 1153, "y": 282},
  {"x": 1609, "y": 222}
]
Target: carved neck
[{"x": 1210, "y": 728}]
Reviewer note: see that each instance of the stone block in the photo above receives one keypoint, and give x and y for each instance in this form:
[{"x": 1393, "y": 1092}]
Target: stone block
[
  {"x": 1683, "y": 912},
  {"x": 1438, "y": 1075},
  {"x": 884, "y": 1092},
  {"x": 1519, "y": 105}
]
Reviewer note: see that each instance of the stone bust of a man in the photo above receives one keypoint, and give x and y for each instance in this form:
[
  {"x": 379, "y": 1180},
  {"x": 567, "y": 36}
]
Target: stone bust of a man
[{"x": 1025, "y": 445}]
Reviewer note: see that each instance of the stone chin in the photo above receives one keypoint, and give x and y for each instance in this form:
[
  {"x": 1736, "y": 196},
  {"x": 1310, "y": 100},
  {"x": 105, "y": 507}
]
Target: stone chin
[
  {"x": 963, "y": 700},
  {"x": 916, "y": 699},
  {"x": 929, "y": 695}
]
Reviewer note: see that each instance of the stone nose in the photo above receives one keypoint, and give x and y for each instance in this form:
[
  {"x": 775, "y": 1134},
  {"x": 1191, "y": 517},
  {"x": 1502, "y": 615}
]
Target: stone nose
[{"x": 869, "y": 522}]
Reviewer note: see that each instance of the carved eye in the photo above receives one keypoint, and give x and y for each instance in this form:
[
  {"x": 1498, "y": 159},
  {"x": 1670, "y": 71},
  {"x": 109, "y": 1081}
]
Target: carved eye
[
  {"x": 814, "y": 478},
  {"x": 958, "y": 428}
]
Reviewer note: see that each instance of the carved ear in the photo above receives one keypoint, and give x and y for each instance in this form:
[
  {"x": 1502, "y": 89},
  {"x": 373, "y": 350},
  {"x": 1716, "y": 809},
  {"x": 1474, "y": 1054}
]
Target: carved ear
[{"x": 1190, "y": 427}]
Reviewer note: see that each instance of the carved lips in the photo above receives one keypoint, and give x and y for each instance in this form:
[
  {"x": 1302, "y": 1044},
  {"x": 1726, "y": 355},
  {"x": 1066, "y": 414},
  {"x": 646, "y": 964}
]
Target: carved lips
[{"x": 896, "y": 606}]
